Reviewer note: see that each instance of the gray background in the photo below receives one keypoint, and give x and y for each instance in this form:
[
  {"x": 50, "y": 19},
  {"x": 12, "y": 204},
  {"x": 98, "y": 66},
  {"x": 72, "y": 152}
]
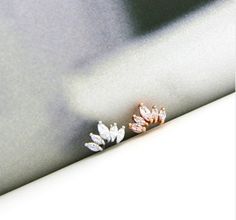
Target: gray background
[{"x": 66, "y": 64}]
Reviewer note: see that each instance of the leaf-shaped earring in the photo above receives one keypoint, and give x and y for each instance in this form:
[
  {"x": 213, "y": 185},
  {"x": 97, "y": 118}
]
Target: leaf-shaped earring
[
  {"x": 105, "y": 136},
  {"x": 146, "y": 118}
]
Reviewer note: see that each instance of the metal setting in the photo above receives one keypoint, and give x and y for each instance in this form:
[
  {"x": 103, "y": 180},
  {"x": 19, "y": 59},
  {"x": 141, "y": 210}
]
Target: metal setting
[
  {"x": 146, "y": 118},
  {"x": 105, "y": 136}
]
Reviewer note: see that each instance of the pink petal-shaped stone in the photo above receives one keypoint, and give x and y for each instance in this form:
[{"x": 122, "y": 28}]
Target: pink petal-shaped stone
[
  {"x": 139, "y": 120},
  {"x": 145, "y": 113},
  {"x": 162, "y": 115},
  {"x": 155, "y": 114},
  {"x": 136, "y": 128}
]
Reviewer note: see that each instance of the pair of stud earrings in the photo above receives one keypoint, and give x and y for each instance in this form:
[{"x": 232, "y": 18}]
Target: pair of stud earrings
[{"x": 114, "y": 134}]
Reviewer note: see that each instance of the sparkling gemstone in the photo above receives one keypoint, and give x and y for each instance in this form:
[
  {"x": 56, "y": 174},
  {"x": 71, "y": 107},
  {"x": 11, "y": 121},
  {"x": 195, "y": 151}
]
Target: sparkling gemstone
[
  {"x": 104, "y": 131},
  {"x": 93, "y": 147},
  {"x": 139, "y": 120},
  {"x": 155, "y": 114},
  {"x": 97, "y": 139},
  {"x": 137, "y": 128},
  {"x": 145, "y": 113},
  {"x": 113, "y": 132},
  {"x": 120, "y": 135},
  {"x": 162, "y": 115}
]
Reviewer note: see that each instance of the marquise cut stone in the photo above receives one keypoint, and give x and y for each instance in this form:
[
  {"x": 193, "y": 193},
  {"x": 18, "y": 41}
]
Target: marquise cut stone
[
  {"x": 155, "y": 114},
  {"x": 97, "y": 139},
  {"x": 113, "y": 132},
  {"x": 139, "y": 120},
  {"x": 137, "y": 128},
  {"x": 104, "y": 132},
  {"x": 162, "y": 115},
  {"x": 93, "y": 147},
  {"x": 145, "y": 113},
  {"x": 120, "y": 134}
]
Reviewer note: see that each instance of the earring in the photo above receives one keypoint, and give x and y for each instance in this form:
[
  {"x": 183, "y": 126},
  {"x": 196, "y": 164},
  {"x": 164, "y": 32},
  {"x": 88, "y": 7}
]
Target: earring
[
  {"x": 105, "y": 136},
  {"x": 146, "y": 118}
]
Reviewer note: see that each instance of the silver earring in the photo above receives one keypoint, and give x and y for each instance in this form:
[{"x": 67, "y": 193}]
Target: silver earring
[{"x": 105, "y": 136}]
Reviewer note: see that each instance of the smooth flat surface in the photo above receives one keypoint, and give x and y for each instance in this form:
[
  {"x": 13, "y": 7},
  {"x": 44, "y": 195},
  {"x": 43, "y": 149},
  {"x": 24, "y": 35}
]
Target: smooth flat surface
[{"x": 183, "y": 170}]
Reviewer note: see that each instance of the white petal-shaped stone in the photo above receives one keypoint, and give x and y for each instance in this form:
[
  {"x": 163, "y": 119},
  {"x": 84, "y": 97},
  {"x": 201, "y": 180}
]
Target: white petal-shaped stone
[
  {"x": 113, "y": 132},
  {"x": 145, "y": 112},
  {"x": 93, "y": 147},
  {"x": 97, "y": 139},
  {"x": 120, "y": 134},
  {"x": 162, "y": 115},
  {"x": 139, "y": 120},
  {"x": 104, "y": 131}
]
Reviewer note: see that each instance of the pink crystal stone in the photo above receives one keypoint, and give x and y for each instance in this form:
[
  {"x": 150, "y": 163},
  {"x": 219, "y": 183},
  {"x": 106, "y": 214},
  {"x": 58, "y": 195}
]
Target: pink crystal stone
[
  {"x": 137, "y": 128},
  {"x": 145, "y": 112}
]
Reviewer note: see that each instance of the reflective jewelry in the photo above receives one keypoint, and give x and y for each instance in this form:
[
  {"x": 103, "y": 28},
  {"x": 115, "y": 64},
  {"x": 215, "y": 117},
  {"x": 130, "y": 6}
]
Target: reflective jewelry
[
  {"x": 146, "y": 118},
  {"x": 105, "y": 136}
]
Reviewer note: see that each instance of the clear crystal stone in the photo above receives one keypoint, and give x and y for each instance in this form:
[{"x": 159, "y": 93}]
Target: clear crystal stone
[
  {"x": 120, "y": 134},
  {"x": 162, "y": 115},
  {"x": 139, "y": 120},
  {"x": 97, "y": 139},
  {"x": 113, "y": 132},
  {"x": 136, "y": 127},
  {"x": 104, "y": 132},
  {"x": 145, "y": 113},
  {"x": 155, "y": 114},
  {"x": 93, "y": 147}
]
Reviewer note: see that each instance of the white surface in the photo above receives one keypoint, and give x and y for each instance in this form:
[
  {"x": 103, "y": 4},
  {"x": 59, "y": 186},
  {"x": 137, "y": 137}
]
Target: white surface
[{"x": 184, "y": 170}]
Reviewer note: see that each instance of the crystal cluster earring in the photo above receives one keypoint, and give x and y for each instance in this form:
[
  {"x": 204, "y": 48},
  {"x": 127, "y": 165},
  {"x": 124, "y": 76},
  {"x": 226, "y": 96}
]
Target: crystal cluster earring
[
  {"x": 146, "y": 118},
  {"x": 105, "y": 136}
]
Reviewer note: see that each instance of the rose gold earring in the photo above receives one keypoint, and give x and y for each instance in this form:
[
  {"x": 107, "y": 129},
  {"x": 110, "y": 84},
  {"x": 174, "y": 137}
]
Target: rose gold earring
[{"x": 146, "y": 118}]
